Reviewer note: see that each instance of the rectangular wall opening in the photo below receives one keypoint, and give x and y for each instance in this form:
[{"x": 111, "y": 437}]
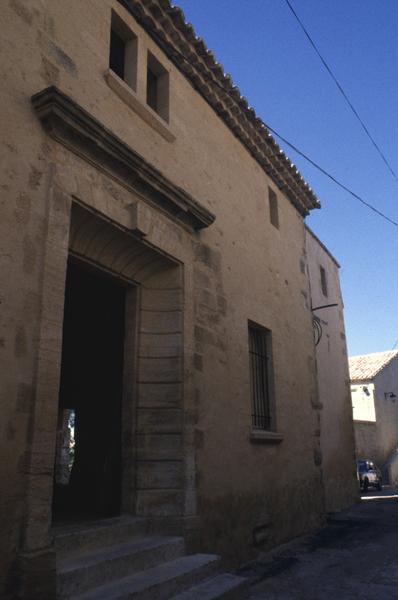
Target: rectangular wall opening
[
  {"x": 273, "y": 208},
  {"x": 261, "y": 378},
  {"x": 123, "y": 51},
  {"x": 157, "y": 89},
  {"x": 324, "y": 282},
  {"x": 87, "y": 474}
]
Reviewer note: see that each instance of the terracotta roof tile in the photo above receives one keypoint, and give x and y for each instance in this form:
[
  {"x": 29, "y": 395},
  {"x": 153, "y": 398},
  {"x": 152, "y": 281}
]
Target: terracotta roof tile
[
  {"x": 179, "y": 41},
  {"x": 367, "y": 366}
]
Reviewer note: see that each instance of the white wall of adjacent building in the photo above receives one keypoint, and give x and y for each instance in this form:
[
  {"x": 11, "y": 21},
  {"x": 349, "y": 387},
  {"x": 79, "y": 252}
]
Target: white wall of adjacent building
[
  {"x": 375, "y": 413},
  {"x": 363, "y": 402},
  {"x": 336, "y": 435}
]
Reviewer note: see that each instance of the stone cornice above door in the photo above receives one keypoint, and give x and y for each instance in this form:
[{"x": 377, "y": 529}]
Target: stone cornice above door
[{"x": 71, "y": 125}]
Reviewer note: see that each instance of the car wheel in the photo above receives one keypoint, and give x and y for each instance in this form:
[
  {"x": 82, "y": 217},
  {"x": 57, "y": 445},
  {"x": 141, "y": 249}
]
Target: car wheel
[{"x": 365, "y": 484}]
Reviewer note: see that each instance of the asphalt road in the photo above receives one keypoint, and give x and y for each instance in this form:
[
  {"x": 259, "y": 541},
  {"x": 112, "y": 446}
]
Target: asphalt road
[{"x": 354, "y": 556}]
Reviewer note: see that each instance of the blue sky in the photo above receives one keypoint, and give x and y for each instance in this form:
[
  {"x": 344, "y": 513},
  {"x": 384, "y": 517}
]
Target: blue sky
[{"x": 261, "y": 45}]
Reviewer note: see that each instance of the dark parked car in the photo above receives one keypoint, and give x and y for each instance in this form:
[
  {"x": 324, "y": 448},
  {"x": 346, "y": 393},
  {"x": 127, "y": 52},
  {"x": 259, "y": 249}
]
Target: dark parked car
[{"x": 369, "y": 475}]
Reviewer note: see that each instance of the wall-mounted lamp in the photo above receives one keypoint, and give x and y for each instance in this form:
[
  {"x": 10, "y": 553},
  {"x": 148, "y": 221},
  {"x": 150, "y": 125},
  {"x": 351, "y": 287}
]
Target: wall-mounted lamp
[
  {"x": 366, "y": 391},
  {"x": 390, "y": 395}
]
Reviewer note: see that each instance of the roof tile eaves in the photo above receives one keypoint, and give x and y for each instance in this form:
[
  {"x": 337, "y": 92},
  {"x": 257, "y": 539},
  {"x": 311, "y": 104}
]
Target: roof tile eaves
[
  {"x": 365, "y": 371},
  {"x": 306, "y": 199}
]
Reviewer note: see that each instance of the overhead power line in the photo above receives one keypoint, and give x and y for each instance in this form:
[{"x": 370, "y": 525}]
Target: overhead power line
[
  {"x": 172, "y": 50},
  {"x": 332, "y": 178},
  {"x": 343, "y": 93}
]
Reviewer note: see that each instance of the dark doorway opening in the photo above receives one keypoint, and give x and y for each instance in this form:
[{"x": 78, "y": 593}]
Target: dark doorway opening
[{"x": 87, "y": 475}]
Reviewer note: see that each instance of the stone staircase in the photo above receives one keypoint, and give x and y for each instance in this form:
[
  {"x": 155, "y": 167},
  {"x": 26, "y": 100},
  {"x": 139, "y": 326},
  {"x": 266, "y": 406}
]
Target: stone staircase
[{"x": 116, "y": 559}]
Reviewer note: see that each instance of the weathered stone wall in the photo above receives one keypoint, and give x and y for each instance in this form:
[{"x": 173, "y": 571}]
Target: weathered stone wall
[
  {"x": 366, "y": 441},
  {"x": 335, "y": 431},
  {"x": 240, "y": 268}
]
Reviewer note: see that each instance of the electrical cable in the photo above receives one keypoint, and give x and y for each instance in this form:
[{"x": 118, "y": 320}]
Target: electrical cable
[
  {"x": 332, "y": 178},
  {"x": 318, "y": 329},
  {"x": 341, "y": 90}
]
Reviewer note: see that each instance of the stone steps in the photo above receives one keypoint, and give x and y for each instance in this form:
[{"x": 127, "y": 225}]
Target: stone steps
[
  {"x": 97, "y": 534},
  {"x": 116, "y": 559},
  {"x": 82, "y": 572},
  {"x": 160, "y": 582}
]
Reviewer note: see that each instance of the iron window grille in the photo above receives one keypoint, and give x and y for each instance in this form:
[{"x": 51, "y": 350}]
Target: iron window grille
[{"x": 260, "y": 380}]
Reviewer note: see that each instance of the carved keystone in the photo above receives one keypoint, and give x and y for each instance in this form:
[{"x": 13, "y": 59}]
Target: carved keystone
[{"x": 141, "y": 219}]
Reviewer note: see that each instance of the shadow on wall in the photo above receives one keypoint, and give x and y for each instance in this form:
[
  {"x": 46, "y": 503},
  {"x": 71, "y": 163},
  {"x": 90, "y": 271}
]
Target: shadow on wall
[
  {"x": 390, "y": 469},
  {"x": 238, "y": 526}
]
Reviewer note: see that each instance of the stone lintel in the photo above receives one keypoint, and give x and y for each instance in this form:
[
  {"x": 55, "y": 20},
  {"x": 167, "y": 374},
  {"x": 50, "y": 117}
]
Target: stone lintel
[{"x": 71, "y": 125}]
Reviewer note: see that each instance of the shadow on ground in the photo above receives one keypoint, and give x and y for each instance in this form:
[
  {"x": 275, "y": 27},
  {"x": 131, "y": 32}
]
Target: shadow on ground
[{"x": 354, "y": 556}]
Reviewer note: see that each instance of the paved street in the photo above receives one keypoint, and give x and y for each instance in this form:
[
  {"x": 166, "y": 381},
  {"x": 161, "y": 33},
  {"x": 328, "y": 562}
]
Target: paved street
[{"x": 355, "y": 556}]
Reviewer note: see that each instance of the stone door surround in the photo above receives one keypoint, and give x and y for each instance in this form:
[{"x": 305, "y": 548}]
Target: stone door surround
[
  {"x": 152, "y": 411},
  {"x": 152, "y": 402}
]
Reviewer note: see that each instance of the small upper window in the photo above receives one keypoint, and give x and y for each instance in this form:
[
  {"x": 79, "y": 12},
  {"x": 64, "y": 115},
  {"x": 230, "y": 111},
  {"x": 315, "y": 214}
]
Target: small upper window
[
  {"x": 157, "y": 87},
  {"x": 273, "y": 208},
  {"x": 324, "y": 283},
  {"x": 123, "y": 51},
  {"x": 116, "y": 55}
]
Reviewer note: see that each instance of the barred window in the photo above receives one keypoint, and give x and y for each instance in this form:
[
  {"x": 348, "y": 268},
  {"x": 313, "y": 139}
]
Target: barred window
[{"x": 261, "y": 383}]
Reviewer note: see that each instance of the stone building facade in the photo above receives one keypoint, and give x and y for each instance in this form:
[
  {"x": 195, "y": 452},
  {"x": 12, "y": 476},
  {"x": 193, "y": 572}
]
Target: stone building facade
[
  {"x": 336, "y": 433},
  {"x": 374, "y": 393},
  {"x": 155, "y": 295}
]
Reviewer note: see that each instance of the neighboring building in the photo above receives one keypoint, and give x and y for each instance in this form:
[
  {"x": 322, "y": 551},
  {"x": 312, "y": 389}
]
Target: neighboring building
[
  {"x": 157, "y": 331},
  {"x": 374, "y": 392},
  {"x": 334, "y": 403}
]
